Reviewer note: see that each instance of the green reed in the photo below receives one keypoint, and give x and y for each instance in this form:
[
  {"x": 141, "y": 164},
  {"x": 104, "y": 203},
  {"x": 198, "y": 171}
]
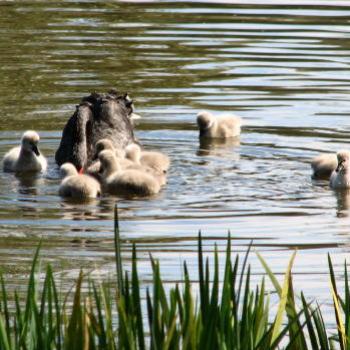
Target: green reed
[{"x": 230, "y": 313}]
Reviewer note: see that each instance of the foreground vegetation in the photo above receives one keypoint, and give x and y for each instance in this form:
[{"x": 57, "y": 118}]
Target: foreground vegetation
[{"x": 231, "y": 314}]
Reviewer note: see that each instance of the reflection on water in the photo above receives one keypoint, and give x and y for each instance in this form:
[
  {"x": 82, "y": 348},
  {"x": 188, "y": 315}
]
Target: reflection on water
[
  {"x": 217, "y": 146},
  {"x": 28, "y": 183},
  {"x": 343, "y": 203},
  {"x": 284, "y": 68}
]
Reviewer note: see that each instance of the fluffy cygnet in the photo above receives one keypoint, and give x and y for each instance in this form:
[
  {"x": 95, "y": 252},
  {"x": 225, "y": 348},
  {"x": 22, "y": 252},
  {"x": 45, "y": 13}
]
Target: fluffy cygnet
[
  {"x": 156, "y": 163},
  {"x": 101, "y": 145},
  {"x": 340, "y": 177},
  {"x": 25, "y": 157},
  {"x": 76, "y": 185},
  {"x": 323, "y": 165},
  {"x": 223, "y": 126},
  {"x": 155, "y": 160},
  {"x": 130, "y": 182},
  {"x": 105, "y": 144}
]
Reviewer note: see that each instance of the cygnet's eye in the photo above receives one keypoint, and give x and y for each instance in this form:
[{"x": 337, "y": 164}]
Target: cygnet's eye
[{"x": 164, "y": 171}]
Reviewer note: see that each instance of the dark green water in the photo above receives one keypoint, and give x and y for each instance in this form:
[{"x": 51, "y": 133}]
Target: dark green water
[{"x": 284, "y": 68}]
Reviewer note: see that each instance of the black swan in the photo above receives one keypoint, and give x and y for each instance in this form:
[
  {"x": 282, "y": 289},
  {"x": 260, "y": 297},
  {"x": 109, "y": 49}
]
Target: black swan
[{"x": 98, "y": 116}]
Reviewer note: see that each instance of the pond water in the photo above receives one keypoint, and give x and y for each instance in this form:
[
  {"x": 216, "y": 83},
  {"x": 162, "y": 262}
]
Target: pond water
[{"x": 285, "y": 69}]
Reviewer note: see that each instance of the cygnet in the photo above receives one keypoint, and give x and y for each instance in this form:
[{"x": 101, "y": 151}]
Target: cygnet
[
  {"x": 94, "y": 168},
  {"x": 25, "y": 158},
  {"x": 129, "y": 182},
  {"x": 106, "y": 144},
  {"x": 224, "y": 126},
  {"x": 156, "y": 160},
  {"x": 323, "y": 165},
  {"x": 340, "y": 178},
  {"x": 78, "y": 186}
]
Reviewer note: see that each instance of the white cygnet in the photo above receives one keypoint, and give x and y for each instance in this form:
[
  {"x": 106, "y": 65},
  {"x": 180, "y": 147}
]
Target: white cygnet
[
  {"x": 105, "y": 144},
  {"x": 340, "y": 178},
  {"x": 78, "y": 186},
  {"x": 224, "y": 126},
  {"x": 94, "y": 168},
  {"x": 323, "y": 165},
  {"x": 25, "y": 157},
  {"x": 156, "y": 163},
  {"x": 129, "y": 182},
  {"x": 156, "y": 160}
]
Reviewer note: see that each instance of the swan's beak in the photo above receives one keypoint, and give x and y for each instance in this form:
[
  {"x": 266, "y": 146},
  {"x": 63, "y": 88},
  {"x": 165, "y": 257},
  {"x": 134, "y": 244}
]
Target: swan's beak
[
  {"x": 134, "y": 116},
  {"x": 340, "y": 166},
  {"x": 36, "y": 150}
]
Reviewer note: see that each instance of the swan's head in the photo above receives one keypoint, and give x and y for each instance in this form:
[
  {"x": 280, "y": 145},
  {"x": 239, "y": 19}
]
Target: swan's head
[
  {"x": 109, "y": 162},
  {"x": 30, "y": 140},
  {"x": 205, "y": 120},
  {"x": 343, "y": 161},
  {"x": 68, "y": 169},
  {"x": 133, "y": 152}
]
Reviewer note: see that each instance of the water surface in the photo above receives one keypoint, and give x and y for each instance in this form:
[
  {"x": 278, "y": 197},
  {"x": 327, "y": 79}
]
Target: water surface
[{"x": 284, "y": 68}]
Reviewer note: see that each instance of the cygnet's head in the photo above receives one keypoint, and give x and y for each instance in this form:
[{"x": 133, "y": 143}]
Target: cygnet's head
[
  {"x": 30, "y": 141},
  {"x": 343, "y": 161},
  {"x": 68, "y": 169},
  {"x": 102, "y": 145},
  {"x": 133, "y": 152},
  {"x": 109, "y": 162},
  {"x": 205, "y": 120}
]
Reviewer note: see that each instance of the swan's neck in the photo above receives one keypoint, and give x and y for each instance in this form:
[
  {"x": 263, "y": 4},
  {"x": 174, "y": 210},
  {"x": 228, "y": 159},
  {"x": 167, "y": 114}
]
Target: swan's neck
[{"x": 26, "y": 153}]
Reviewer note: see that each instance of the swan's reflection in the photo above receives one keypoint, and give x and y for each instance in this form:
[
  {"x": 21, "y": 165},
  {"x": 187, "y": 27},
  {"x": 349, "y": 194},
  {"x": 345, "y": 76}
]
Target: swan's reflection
[
  {"x": 214, "y": 146},
  {"x": 343, "y": 203},
  {"x": 73, "y": 209},
  {"x": 28, "y": 183}
]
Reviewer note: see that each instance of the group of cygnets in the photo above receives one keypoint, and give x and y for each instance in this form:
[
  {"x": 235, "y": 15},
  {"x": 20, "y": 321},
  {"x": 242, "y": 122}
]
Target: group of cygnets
[
  {"x": 335, "y": 167},
  {"x": 134, "y": 172},
  {"x": 127, "y": 172}
]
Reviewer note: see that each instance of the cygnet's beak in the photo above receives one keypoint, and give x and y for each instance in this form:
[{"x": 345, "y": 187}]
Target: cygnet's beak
[
  {"x": 340, "y": 166},
  {"x": 134, "y": 116},
  {"x": 36, "y": 150}
]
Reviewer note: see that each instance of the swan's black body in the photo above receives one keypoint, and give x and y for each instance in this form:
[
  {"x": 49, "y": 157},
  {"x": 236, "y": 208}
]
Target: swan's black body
[{"x": 98, "y": 116}]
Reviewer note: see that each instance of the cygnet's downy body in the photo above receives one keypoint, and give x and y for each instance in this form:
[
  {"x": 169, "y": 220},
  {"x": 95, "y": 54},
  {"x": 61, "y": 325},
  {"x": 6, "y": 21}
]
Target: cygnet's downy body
[
  {"x": 224, "y": 126},
  {"x": 152, "y": 162},
  {"x": 27, "y": 157},
  {"x": 340, "y": 178},
  {"x": 129, "y": 182},
  {"x": 105, "y": 144},
  {"x": 101, "y": 145},
  {"x": 77, "y": 186},
  {"x": 323, "y": 165}
]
